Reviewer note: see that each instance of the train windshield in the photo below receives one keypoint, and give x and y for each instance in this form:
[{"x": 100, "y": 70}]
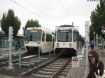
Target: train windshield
[
  {"x": 64, "y": 36},
  {"x": 33, "y": 35}
]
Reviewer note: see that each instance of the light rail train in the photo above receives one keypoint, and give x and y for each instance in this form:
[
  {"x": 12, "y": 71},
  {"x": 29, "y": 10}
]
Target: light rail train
[
  {"x": 67, "y": 40},
  {"x": 39, "y": 38}
]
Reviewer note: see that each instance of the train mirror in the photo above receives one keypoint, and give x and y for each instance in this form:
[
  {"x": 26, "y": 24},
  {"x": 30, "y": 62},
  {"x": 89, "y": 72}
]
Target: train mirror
[{"x": 103, "y": 29}]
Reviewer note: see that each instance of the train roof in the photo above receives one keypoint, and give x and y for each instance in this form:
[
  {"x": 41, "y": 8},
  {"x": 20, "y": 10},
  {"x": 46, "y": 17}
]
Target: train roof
[
  {"x": 65, "y": 26},
  {"x": 71, "y": 26},
  {"x": 68, "y": 26},
  {"x": 42, "y": 28}
]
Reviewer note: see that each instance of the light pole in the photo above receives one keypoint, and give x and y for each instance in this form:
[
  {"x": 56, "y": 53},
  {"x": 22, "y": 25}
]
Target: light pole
[{"x": 94, "y": 39}]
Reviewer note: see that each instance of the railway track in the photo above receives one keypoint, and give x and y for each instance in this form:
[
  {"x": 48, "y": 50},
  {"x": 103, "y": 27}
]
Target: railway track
[
  {"x": 5, "y": 62},
  {"x": 55, "y": 68}
]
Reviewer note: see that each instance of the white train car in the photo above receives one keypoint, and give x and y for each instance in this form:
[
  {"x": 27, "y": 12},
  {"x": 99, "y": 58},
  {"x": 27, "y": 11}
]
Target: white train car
[
  {"x": 39, "y": 38},
  {"x": 66, "y": 40}
]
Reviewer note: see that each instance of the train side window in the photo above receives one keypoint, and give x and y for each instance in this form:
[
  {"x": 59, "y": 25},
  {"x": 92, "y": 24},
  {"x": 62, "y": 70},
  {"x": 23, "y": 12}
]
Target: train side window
[
  {"x": 43, "y": 36},
  {"x": 48, "y": 37},
  {"x": 53, "y": 42},
  {"x": 74, "y": 36},
  {"x": 55, "y": 35}
]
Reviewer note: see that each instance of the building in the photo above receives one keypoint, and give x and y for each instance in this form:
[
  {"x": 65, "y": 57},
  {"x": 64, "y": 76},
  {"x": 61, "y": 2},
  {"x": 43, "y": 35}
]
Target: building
[{"x": 4, "y": 39}]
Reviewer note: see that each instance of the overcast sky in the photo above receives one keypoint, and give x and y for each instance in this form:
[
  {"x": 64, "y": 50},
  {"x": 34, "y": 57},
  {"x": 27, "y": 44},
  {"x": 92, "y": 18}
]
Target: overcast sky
[{"x": 51, "y": 13}]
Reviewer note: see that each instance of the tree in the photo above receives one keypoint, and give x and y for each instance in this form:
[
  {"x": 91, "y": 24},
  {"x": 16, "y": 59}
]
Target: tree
[
  {"x": 91, "y": 28},
  {"x": 98, "y": 17},
  {"x": 8, "y": 20},
  {"x": 0, "y": 23},
  {"x": 32, "y": 23}
]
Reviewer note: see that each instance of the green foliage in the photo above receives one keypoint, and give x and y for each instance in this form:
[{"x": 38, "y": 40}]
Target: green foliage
[
  {"x": 8, "y": 20},
  {"x": 32, "y": 23},
  {"x": 0, "y": 23},
  {"x": 99, "y": 40},
  {"x": 98, "y": 17},
  {"x": 91, "y": 28}
]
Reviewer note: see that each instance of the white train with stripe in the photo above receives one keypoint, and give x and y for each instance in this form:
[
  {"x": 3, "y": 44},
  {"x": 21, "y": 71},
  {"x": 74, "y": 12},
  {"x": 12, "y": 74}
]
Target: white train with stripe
[
  {"x": 39, "y": 38},
  {"x": 67, "y": 40}
]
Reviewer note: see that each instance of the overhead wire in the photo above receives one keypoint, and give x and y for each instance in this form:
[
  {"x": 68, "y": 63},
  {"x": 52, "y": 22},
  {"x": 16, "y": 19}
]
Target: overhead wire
[
  {"x": 39, "y": 10},
  {"x": 31, "y": 11},
  {"x": 70, "y": 10},
  {"x": 65, "y": 10}
]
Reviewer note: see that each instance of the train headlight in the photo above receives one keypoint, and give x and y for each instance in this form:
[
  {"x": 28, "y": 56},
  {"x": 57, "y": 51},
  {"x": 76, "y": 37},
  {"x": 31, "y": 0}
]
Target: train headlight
[
  {"x": 38, "y": 42},
  {"x": 26, "y": 42},
  {"x": 57, "y": 44},
  {"x": 70, "y": 45}
]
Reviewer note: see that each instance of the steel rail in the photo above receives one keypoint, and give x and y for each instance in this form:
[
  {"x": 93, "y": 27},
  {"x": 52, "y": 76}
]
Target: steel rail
[
  {"x": 36, "y": 69},
  {"x": 60, "y": 70},
  {"x": 14, "y": 61}
]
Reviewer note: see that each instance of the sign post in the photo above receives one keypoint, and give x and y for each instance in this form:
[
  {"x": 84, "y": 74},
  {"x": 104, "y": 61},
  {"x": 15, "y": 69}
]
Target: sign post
[
  {"x": 75, "y": 61},
  {"x": 87, "y": 44},
  {"x": 10, "y": 44}
]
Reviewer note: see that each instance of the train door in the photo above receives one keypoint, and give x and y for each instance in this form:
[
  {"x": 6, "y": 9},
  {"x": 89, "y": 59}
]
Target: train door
[
  {"x": 43, "y": 42},
  {"x": 53, "y": 42},
  {"x": 75, "y": 39},
  {"x": 48, "y": 41}
]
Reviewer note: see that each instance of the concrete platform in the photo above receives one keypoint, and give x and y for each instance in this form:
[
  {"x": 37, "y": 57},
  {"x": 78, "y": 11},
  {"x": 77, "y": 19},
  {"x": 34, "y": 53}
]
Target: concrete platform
[{"x": 79, "y": 72}]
